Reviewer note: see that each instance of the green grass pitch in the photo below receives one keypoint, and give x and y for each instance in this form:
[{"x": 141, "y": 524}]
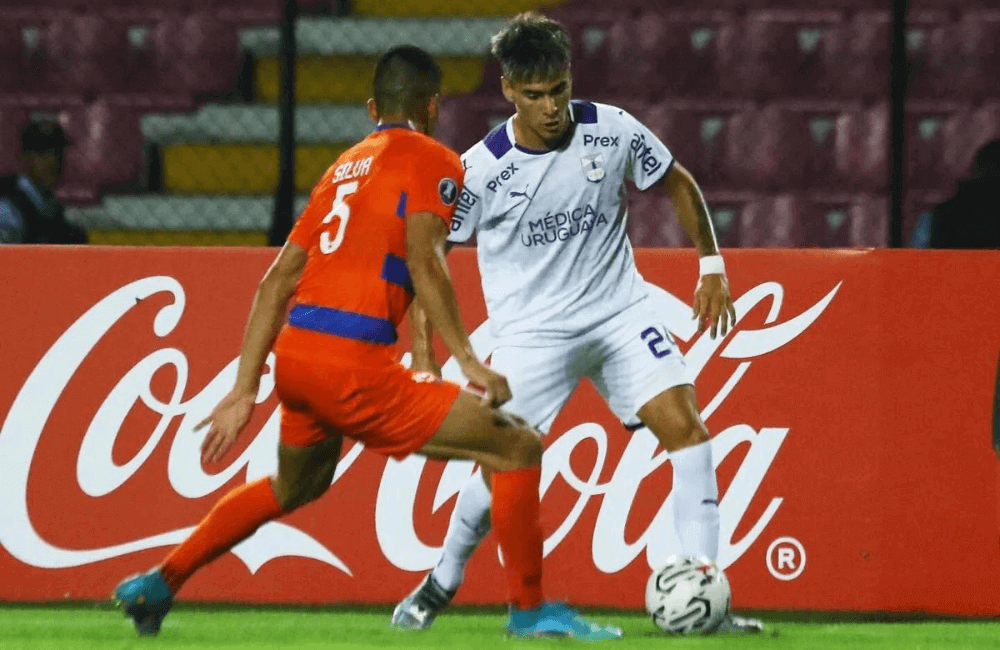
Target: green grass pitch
[{"x": 90, "y": 626}]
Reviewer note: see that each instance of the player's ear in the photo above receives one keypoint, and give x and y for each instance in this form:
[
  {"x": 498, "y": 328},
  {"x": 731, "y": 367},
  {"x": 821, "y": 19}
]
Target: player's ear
[
  {"x": 508, "y": 90},
  {"x": 433, "y": 112},
  {"x": 372, "y": 112}
]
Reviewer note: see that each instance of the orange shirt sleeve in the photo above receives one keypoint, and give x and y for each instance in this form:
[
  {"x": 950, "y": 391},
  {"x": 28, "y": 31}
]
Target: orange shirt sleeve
[
  {"x": 435, "y": 183},
  {"x": 313, "y": 213}
]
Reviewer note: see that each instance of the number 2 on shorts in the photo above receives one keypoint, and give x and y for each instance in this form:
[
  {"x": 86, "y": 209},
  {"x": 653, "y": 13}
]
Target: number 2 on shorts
[{"x": 653, "y": 339}]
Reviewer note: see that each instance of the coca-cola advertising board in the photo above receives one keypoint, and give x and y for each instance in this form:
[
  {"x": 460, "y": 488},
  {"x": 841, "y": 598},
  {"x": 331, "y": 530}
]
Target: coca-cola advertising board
[{"x": 850, "y": 409}]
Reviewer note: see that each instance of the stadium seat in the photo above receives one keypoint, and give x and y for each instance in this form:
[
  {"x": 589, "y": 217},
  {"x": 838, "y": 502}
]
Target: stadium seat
[
  {"x": 148, "y": 102},
  {"x": 726, "y": 208},
  {"x": 675, "y": 54},
  {"x": 83, "y": 53},
  {"x": 12, "y": 120},
  {"x": 976, "y": 39},
  {"x": 861, "y": 57},
  {"x": 807, "y": 138},
  {"x": 931, "y": 56},
  {"x": 652, "y": 221},
  {"x": 781, "y": 148},
  {"x": 771, "y": 221},
  {"x": 826, "y": 223},
  {"x": 594, "y": 69},
  {"x": 950, "y": 6},
  {"x": 837, "y": 220},
  {"x": 631, "y": 47},
  {"x": 789, "y": 54},
  {"x": 862, "y": 145},
  {"x": 95, "y": 159},
  {"x": 448, "y": 7},
  {"x": 870, "y": 220},
  {"x": 199, "y": 51},
  {"x": 699, "y": 135},
  {"x": 11, "y": 53},
  {"x": 927, "y": 132},
  {"x": 466, "y": 120}
]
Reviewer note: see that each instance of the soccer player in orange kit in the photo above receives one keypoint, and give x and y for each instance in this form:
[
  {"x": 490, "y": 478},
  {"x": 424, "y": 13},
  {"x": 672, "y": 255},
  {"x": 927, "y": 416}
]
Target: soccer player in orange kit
[{"x": 371, "y": 238}]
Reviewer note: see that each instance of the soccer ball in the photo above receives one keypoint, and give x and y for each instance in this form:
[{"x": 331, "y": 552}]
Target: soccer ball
[{"x": 689, "y": 595}]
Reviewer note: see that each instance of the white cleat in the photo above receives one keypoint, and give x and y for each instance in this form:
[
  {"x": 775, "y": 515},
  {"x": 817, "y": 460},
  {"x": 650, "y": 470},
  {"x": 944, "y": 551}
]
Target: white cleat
[
  {"x": 741, "y": 625},
  {"x": 418, "y": 610}
]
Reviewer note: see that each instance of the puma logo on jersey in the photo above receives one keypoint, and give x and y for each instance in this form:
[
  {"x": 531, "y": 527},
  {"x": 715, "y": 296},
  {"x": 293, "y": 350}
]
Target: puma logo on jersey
[
  {"x": 601, "y": 140},
  {"x": 515, "y": 193},
  {"x": 502, "y": 178}
]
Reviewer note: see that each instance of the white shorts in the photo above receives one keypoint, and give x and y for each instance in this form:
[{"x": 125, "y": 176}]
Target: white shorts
[{"x": 631, "y": 358}]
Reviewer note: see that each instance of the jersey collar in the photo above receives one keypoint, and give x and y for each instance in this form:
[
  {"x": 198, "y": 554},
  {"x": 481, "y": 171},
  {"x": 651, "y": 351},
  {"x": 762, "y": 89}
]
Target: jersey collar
[
  {"x": 567, "y": 136},
  {"x": 393, "y": 125}
]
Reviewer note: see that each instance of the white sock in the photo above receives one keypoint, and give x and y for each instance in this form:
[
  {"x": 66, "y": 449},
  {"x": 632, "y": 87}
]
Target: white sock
[
  {"x": 470, "y": 521},
  {"x": 696, "y": 500}
]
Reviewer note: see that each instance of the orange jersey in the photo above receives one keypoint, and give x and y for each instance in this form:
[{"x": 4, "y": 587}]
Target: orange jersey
[{"x": 356, "y": 286}]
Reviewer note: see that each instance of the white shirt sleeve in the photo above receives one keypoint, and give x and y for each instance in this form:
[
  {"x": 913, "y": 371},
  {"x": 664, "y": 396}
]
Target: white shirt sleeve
[
  {"x": 469, "y": 210},
  {"x": 648, "y": 158}
]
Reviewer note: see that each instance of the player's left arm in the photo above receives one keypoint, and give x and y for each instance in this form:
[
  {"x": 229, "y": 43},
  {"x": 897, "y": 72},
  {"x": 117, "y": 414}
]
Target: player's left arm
[
  {"x": 267, "y": 315},
  {"x": 712, "y": 303},
  {"x": 421, "y": 333}
]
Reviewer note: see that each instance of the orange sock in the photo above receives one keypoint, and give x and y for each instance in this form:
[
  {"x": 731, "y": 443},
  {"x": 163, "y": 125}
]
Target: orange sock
[
  {"x": 515, "y": 521},
  {"x": 234, "y": 518}
]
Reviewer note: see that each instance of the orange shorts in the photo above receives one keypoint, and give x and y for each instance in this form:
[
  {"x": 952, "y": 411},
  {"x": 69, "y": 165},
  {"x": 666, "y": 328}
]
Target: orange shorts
[{"x": 392, "y": 410}]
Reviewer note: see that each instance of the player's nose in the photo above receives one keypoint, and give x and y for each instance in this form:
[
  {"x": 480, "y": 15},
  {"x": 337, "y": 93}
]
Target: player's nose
[{"x": 550, "y": 106}]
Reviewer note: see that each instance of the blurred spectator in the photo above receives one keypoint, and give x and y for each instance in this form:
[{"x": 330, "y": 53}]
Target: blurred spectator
[
  {"x": 30, "y": 213},
  {"x": 971, "y": 218}
]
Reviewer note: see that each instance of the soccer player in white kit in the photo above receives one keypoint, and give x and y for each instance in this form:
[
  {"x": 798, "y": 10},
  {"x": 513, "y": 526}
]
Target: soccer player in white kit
[{"x": 545, "y": 195}]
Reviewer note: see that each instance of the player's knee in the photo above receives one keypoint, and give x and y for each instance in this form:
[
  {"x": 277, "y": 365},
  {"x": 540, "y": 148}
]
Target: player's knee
[
  {"x": 300, "y": 491},
  {"x": 526, "y": 448},
  {"x": 682, "y": 437}
]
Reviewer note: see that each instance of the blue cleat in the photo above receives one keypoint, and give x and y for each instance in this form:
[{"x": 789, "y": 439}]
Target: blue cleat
[
  {"x": 555, "y": 619},
  {"x": 147, "y": 598}
]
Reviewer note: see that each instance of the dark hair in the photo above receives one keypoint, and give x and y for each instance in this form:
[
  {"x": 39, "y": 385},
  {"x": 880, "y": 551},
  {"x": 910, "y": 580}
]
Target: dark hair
[
  {"x": 43, "y": 135},
  {"x": 406, "y": 77},
  {"x": 987, "y": 163},
  {"x": 531, "y": 47}
]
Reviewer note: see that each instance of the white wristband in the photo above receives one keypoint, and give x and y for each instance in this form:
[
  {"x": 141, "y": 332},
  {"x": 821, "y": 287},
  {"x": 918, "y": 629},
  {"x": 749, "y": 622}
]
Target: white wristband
[{"x": 711, "y": 264}]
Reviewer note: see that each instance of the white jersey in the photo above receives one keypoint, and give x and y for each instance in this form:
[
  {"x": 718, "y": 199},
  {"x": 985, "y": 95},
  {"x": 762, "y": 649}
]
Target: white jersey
[{"x": 550, "y": 226}]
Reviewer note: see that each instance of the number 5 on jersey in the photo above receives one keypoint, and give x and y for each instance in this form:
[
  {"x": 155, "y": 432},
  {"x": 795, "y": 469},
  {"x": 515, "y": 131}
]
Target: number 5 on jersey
[{"x": 342, "y": 211}]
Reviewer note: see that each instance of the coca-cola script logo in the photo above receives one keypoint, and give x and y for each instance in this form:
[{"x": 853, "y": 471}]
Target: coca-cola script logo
[{"x": 98, "y": 475}]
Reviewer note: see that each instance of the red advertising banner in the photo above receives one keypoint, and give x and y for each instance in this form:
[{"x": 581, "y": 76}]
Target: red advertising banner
[{"x": 850, "y": 410}]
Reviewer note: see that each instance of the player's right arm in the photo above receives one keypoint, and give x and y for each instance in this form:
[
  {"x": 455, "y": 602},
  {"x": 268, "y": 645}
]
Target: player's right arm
[
  {"x": 267, "y": 314},
  {"x": 421, "y": 334},
  {"x": 426, "y": 233}
]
